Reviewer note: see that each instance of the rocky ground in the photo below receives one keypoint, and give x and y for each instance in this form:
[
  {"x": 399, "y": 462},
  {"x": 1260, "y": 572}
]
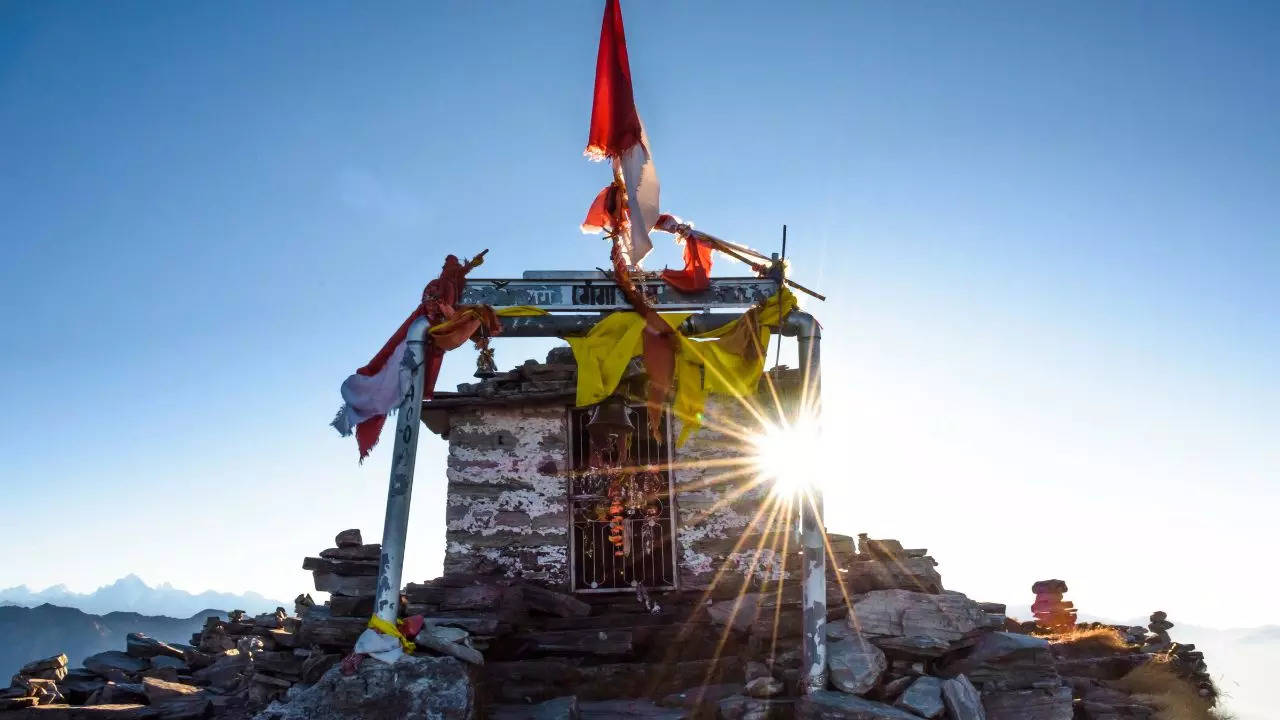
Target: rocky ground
[{"x": 900, "y": 648}]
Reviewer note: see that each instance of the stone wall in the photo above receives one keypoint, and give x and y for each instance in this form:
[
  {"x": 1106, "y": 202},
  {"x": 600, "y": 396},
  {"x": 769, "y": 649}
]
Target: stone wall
[
  {"x": 719, "y": 503},
  {"x": 508, "y": 510},
  {"x": 507, "y": 500}
]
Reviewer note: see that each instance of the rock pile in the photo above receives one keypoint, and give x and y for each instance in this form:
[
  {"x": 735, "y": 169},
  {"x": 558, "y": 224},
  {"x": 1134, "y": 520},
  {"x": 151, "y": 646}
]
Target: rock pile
[
  {"x": 491, "y": 646},
  {"x": 36, "y": 684},
  {"x": 1052, "y": 613},
  {"x": 886, "y": 565}
]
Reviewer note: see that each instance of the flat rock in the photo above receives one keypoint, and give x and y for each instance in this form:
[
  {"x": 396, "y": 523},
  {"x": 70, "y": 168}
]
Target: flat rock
[
  {"x": 763, "y": 687},
  {"x": 741, "y": 707},
  {"x": 1006, "y": 661},
  {"x": 354, "y": 552},
  {"x": 854, "y": 664},
  {"x": 921, "y": 647},
  {"x": 49, "y": 663},
  {"x": 561, "y": 708},
  {"x": 346, "y": 585},
  {"x": 165, "y": 661},
  {"x": 641, "y": 709},
  {"x": 903, "y": 573},
  {"x": 554, "y": 603},
  {"x": 141, "y": 645},
  {"x": 922, "y": 697},
  {"x": 962, "y": 699},
  {"x": 1055, "y": 704},
  {"x": 105, "y": 662},
  {"x": 701, "y": 696},
  {"x": 941, "y": 618},
  {"x": 114, "y": 693},
  {"x": 340, "y": 567},
  {"x": 429, "y": 640},
  {"x": 413, "y": 687},
  {"x": 835, "y": 705}
]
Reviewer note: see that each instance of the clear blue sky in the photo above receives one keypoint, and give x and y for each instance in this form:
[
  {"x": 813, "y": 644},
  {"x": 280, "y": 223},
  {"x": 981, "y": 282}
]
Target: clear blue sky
[{"x": 1050, "y": 233}]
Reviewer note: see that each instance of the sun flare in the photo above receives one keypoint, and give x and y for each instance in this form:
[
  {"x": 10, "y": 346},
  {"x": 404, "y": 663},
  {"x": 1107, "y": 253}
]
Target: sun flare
[{"x": 791, "y": 458}]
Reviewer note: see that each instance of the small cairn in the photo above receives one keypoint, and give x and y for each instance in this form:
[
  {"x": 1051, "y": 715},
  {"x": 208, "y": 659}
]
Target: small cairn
[
  {"x": 1159, "y": 627},
  {"x": 1052, "y": 613},
  {"x": 36, "y": 684}
]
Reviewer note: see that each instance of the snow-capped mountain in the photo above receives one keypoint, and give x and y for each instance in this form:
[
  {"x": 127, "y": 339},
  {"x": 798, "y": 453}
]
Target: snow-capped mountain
[{"x": 131, "y": 594}]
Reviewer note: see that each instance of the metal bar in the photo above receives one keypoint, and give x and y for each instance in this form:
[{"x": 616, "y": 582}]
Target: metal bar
[
  {"x": 813, "y": 534},
  {"x": 395, "y": 526}
]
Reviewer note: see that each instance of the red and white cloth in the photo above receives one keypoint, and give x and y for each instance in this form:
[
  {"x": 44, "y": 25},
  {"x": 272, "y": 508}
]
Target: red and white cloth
[
  {"x": 617, "y": 133},
  {"x": 374, "y": 390}
]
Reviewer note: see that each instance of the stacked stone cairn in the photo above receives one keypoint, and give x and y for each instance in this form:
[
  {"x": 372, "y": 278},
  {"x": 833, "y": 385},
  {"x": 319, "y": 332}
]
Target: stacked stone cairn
[{"x": 1052, "y": 613}]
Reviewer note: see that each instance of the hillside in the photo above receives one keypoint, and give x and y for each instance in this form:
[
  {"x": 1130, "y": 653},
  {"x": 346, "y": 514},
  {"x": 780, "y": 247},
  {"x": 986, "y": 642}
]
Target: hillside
[{"x": 46, "y": 630}]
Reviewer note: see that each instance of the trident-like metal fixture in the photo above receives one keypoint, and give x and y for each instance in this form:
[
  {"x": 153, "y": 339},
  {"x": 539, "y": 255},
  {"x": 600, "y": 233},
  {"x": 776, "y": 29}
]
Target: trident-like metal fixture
[{"x": 576, "y": 300}]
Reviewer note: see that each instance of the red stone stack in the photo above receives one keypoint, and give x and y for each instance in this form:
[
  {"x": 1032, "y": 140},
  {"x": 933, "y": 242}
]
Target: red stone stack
[{"x": 1050, "y": 610}]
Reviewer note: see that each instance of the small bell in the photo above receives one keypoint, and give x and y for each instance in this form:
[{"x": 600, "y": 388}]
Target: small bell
[
  {"x": 610, "y": 419},
  {"x": 485, "y": 366}
]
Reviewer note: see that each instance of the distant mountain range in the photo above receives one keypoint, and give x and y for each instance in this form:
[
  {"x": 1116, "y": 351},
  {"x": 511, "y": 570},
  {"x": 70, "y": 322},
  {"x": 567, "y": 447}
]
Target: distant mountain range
[
  {"x": 28, "y": 634},
  {"x": 131, "y": 594}
]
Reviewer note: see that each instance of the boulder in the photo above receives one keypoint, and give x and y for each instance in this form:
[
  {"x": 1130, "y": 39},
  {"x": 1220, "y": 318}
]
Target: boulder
[
  {"x": 414, "y": 686},
  {"x": 105, "y": 662},
  {"x": 1035, "y": 704},
  {"x": 922, "y": 697},
  {"x": 943, "y": 618},
  {"x": 561, "y": 708},
  {"x": 854, "y": 664},
  {"x": 832, "y": 705},
  {"x": 962, "y": 699},
  {"x": 141, "y": 645},
  {"x": 348, "y": 538}
]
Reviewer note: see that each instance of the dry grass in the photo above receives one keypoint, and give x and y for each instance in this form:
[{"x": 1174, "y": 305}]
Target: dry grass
[
  {"x": 1156, "y": 684},
  {"x": 1090, "y": 642}
]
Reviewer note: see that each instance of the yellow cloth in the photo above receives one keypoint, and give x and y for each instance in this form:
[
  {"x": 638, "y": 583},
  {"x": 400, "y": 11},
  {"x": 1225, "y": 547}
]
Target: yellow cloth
[
  {"x": 387, "y": 628},
  {"x": 603, "y": 353},
  {"x": 713, "y": 361},
  {"x": 520, "y": 311}
]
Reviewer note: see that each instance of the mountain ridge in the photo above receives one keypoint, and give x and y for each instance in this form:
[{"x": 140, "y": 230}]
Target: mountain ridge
[
  {"x": 46, "y": 630},
  {"x": 132, "y": 594}
]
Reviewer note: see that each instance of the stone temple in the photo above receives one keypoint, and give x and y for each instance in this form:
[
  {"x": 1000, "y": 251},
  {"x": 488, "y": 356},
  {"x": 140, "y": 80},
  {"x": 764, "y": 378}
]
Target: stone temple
[{"x": 524, "y": 502}]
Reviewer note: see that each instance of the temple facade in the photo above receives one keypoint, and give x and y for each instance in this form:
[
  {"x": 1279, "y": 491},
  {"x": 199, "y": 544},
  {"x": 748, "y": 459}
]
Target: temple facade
[{"x": 527, "y": 498}]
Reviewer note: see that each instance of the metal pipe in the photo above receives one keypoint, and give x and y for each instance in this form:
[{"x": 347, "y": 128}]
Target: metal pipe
[
  {"x": 812, "y": 531},
  {"x": 395, "y": 526}
]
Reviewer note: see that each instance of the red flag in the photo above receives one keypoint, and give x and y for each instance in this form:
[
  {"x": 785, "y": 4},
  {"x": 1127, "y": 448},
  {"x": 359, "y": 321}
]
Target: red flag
[
  {"x": 615, "y": 125},
  {"x": 617, "y": 133}
]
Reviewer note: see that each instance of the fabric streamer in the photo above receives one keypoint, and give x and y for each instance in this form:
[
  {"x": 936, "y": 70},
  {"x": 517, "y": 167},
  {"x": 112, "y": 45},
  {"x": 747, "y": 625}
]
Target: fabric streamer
[{"x": 728, "y": 360}]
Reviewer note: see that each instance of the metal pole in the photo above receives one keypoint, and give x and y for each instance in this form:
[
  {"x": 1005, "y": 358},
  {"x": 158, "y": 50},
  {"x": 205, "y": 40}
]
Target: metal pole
[
  {"x": 395, "y": 527},
  {"x": 812, "y": 537}
]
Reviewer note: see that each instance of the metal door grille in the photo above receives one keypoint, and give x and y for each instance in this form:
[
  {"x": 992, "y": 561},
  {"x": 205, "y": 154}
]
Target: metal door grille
[{"x": 648, "y": 525}]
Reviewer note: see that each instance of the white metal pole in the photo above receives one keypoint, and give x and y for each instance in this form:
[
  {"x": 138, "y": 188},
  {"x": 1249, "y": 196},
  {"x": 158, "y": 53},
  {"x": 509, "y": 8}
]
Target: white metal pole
[
  {"x": 812, "y": 537},
  {"x": 395, "y": 527}
]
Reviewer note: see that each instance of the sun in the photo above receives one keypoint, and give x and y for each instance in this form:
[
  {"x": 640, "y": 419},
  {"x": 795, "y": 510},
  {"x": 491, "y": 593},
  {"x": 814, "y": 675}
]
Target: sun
[{"x": 791, "y": 458}]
